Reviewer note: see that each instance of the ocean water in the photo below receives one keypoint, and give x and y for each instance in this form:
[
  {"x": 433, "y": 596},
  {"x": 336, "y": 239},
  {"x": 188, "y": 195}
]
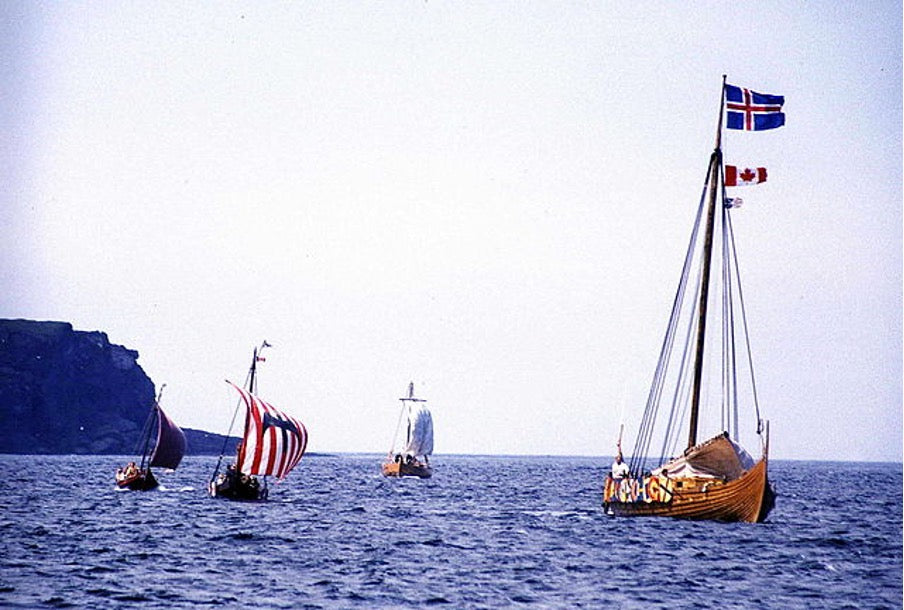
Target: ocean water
[{"x": 482, "y": 533}]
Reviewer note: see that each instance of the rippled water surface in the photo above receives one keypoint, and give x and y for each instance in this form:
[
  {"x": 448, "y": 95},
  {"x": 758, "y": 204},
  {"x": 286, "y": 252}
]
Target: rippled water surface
[{"x": 483, "y": 532}]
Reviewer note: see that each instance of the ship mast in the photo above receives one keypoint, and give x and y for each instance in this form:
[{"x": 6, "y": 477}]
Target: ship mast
[
  {"x": 252, "y": 388},
  {"x": 406, "y": 408},
  {"x": 252, "y": 374},
  {"x": 153, "y": 417},
  {"x": 715, "y": 167}
]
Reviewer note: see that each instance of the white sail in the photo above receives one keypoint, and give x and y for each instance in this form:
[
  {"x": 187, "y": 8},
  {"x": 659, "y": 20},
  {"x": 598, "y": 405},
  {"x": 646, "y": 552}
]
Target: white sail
[{"x": 420, "y": 431}]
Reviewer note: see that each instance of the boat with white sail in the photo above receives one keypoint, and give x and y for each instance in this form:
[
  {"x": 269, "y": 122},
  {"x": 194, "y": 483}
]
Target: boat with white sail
[{"x": 412, "y": 458}]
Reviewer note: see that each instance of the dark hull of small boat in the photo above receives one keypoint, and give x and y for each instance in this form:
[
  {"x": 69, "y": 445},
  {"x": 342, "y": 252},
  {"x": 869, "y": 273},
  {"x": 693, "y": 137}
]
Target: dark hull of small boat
[
  {"x": 143, "y": 481},
  {"x": 238, "y": 490},
  {"x": 748, "y": 498},
  {"x": 401, "y": 469}
]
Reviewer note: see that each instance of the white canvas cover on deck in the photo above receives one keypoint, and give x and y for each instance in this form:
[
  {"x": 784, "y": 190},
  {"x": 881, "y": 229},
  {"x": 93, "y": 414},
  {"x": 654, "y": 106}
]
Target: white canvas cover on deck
[
  {"x": 717, "y": 458},
  {"x": 420, "y": 432}
]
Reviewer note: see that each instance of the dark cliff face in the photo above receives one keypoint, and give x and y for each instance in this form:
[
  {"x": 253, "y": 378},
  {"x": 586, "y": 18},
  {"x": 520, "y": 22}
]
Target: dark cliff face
[{"x": 68, "y": 391}]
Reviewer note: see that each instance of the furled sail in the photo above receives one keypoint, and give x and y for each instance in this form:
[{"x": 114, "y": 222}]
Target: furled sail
[
  {"x": 274, "y": 441},
  {"x": 718, "y": 458},
  {"x": 170, "y": 443},
  {"x": 420, "y": 432}
]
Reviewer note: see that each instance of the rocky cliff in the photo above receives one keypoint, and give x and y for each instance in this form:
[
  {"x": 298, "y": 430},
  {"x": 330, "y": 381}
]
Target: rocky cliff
[{"x": 68, "y": 391}]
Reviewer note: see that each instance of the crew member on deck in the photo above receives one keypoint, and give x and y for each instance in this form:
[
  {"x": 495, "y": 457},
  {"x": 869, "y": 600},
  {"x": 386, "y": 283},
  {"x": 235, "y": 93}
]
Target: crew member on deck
[{"x": 620, "y": 470}]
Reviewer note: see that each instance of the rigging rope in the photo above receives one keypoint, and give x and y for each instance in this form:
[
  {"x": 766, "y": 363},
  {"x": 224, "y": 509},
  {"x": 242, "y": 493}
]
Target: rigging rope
[
  {"x": 644, "y": 434},
  {"x": 729, "y": 406},
  {"x": 737, "y": 270},
  {"x": 249, "y": 383},
  {"x": 395, "y": 436},
  {"x": 681, "y": 396},
  {"x": 145, "y": 439},
  {"x": 731, "y": 328}
]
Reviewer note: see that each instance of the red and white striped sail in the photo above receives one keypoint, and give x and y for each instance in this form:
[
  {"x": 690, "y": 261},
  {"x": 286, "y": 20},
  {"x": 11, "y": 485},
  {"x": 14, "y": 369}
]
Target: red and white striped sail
[{"x": 274, "y": 442}]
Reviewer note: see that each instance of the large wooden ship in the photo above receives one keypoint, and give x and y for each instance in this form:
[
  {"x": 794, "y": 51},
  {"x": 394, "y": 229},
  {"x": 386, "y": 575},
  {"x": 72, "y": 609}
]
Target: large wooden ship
[{"x": 716, "y": 479}]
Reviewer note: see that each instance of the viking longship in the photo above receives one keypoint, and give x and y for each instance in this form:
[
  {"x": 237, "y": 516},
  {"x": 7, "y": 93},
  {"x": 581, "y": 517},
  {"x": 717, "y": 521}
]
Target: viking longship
[
  {"x": 166, "y": 452},
  {"x": 704, "y": 376},
  {"x": 272, "y": 444},
  {"x": 412, "y": 457}
]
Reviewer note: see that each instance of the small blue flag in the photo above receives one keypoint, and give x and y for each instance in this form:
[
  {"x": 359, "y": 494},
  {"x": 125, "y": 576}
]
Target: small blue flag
[{"x": 752, "y": 111}]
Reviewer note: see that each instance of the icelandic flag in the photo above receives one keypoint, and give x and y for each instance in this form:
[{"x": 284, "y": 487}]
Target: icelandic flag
[
  {"x": 752, "y": 111},
  {"x": 742, "y": 176}
]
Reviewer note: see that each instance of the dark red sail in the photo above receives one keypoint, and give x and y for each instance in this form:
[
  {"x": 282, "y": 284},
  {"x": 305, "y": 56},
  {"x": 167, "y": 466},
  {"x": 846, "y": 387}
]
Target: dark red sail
[{"x": 170, "y": 443}]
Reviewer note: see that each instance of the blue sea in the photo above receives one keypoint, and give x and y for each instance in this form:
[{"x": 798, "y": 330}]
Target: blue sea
[{"x": 484, "y": 532}]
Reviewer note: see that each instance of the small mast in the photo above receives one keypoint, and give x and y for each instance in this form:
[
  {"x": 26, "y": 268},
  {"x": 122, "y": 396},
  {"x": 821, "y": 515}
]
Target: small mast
[
  {"x": 251, "y": 386},
  {"x": 252, "y": 372},
  {"x": 411, "y": 394},
  {"x": 409, "y": 398},
  {"x": 149, "y": 427},
  {"x": 715, "y": 170}
]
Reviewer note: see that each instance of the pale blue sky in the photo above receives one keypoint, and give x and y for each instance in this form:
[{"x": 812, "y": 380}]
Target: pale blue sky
[{"x": 489, "y": 199}]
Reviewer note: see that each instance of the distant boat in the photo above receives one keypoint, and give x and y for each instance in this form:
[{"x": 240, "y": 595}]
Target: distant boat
[
  {"x": 167, "y": 451},
  {"x": 413, "y": 459},
  {"x": 716, "y": 479},
  {"x": 272, "y": 445}
]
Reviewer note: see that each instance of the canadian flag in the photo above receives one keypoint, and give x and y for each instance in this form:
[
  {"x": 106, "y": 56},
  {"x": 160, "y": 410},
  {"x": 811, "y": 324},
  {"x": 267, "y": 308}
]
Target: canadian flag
[{"x": 742, "y": 176}]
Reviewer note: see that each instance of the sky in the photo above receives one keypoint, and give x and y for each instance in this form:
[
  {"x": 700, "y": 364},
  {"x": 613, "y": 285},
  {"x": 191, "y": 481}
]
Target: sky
[{"x": 489, "y": 199}]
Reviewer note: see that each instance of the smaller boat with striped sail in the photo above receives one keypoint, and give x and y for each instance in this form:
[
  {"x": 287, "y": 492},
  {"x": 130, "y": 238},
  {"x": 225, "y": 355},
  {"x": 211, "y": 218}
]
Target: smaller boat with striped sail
[
  {"x": 272, "y": 444},
  {"x": 167, "y": 451},
  {"x": 413, "y": 458}
]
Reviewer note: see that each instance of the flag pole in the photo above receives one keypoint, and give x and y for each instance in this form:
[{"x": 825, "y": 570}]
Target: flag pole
[
  {"x": 721, "y": 114},
  {"x": 715, "y": 169}
]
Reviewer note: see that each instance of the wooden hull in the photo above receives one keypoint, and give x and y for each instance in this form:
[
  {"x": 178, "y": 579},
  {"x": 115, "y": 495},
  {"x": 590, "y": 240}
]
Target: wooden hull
[
  {"x": 401, "y": 469},
  {"x": 748, "y": 498},
  {"x": 246, "y": 489},
  {"x": 143, "y": 480}
]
